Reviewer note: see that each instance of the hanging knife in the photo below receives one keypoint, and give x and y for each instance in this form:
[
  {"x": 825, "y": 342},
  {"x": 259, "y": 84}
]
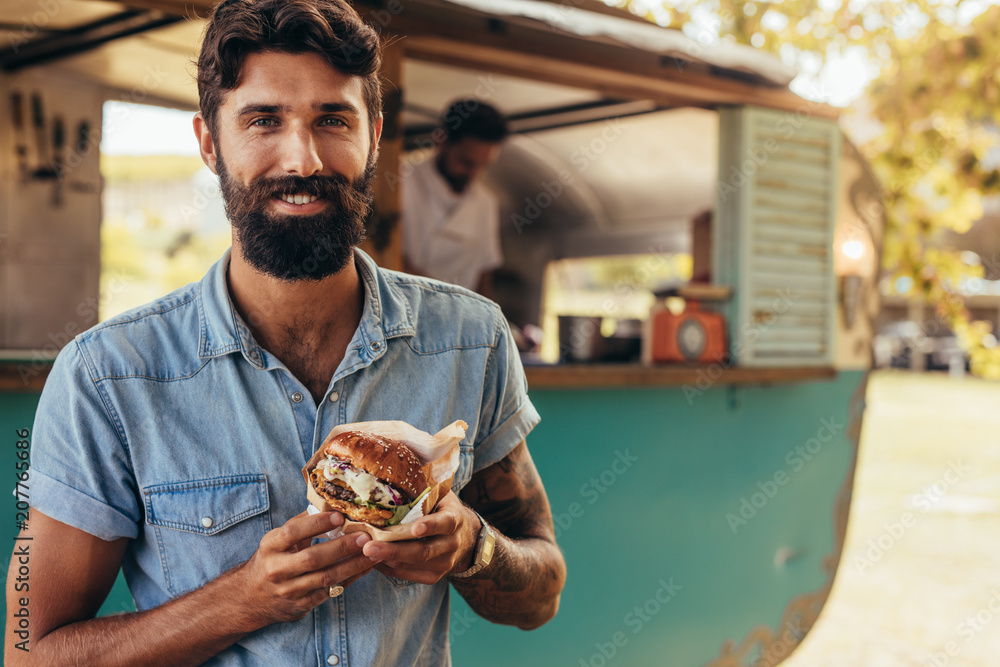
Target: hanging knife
[
  {"x": 83, "y": 147},
  {"x": 44, "y": 169},
  {"x": 58, "y": 158},
  {"x": 83, "y": 137},
  {"x": 20, "y": 147}
]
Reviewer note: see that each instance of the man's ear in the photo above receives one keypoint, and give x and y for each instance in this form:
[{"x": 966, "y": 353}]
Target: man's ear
[
  {"x": 206, "y": 145},
  {"x": 378, "y": 132}
]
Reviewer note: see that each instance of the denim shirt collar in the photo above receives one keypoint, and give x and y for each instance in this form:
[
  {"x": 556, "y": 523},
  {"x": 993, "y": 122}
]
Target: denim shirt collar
[{"x": 386, "y": 315}]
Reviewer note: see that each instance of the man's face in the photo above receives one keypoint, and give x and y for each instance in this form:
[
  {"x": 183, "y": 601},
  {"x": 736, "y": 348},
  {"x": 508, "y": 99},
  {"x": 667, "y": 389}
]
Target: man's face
[
  {"x": 462, "y": 162},
  {"x": 299, "y": 161}
]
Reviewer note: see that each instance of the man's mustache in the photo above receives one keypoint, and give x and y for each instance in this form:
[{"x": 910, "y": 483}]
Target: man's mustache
[{"x": 324, "y": 187}]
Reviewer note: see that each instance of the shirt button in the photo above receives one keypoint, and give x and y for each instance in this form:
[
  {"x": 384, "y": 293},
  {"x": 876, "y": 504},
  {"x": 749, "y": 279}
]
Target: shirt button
[
  {"x": 376, "y": 345},
  {"x": 206, "y": 521},
  {"x": 332, "y": 660},
  {"x": 334, "y": 396},
  {"x": 297, "y": 397}
]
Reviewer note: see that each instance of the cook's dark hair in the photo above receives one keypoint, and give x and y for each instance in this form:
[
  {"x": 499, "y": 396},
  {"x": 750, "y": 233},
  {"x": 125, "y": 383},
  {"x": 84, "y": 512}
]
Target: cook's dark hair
[
  {"x": 331, "y": 28},
  {"x": 475, "y": 119}
]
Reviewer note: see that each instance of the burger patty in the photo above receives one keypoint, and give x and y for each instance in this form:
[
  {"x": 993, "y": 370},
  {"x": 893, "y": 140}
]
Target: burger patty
[{"x": 338, "y": 492}]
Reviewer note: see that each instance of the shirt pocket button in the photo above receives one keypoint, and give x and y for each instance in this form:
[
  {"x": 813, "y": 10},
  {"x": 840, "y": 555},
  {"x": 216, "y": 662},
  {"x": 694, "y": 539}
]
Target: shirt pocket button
[{"x": 206, "y": 521}]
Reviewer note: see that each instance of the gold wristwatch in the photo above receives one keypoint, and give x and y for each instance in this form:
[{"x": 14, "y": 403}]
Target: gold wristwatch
[{"x": 484, "y": 550}]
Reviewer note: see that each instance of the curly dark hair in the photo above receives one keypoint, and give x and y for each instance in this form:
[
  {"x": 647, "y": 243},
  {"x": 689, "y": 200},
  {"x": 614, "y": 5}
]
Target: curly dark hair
[
  {"x": 331, "y": 28},
  {"x": 473, "y": 118}
]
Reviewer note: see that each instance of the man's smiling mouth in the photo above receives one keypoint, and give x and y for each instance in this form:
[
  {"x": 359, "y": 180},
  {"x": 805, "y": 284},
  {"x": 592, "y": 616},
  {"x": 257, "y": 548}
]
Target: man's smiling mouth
[{"x": 298, "y": 198}]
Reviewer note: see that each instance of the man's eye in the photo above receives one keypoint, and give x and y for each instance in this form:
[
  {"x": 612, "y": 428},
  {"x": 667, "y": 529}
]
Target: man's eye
[
  {"x": 264, "y": 122},
  {"x": 332, "y": 121}
]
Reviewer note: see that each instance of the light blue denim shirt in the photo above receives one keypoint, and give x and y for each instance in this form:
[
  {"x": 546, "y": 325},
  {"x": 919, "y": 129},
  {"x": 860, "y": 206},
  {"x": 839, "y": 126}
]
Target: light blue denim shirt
[{"x": 170, "y": 426}]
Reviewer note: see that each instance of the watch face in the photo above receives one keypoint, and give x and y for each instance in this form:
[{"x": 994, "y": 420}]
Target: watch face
[
  {"x": 691, "y": 339},
  {"x": 487, "y": 550}
]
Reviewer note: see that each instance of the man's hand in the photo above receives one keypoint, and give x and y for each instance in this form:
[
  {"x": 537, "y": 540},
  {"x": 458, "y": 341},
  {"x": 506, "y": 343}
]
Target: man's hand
[
  {"x": 445, "y": 543},
  {"x": 287, "y": 576}
]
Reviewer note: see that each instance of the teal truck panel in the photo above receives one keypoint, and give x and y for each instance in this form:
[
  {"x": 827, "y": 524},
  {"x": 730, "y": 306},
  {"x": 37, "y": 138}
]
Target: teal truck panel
[{"x": 674, "y": 552}]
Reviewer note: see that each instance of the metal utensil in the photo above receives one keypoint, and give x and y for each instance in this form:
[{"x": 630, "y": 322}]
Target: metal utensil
[
  {"x": 20, "y": 143},
  {"x": 44, "y": 167},
  {"x": 58, "y": 158}
]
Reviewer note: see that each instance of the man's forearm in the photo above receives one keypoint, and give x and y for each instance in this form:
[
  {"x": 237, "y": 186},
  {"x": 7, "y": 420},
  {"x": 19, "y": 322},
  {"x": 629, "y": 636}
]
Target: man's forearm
[
  {"x": 521, "y": 586},
  {"x": 186, "y": 631}
]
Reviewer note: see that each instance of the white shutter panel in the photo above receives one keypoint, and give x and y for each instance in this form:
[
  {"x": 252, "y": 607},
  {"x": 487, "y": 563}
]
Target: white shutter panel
[{"x": 773, "y": 226}]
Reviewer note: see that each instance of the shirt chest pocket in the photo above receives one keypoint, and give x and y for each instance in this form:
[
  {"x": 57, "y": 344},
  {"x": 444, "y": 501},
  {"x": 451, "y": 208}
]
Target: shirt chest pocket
[{"x": 205, "y": 527}]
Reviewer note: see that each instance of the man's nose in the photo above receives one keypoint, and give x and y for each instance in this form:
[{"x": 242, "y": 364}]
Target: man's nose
[{"x": 299, "y": 155}]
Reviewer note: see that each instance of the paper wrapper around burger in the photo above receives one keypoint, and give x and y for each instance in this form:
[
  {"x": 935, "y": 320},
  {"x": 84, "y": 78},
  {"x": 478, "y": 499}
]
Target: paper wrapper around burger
[{"x": 439, "y": 453}]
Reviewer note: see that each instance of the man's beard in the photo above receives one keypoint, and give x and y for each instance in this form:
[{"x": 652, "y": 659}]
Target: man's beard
[
  {"x": 458, "y": 184},
  {"x": 298, "y": 247}
]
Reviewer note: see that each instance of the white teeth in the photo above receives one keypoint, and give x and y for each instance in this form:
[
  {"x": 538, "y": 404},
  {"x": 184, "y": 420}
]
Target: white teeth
[{"x": 299, "y": 199}]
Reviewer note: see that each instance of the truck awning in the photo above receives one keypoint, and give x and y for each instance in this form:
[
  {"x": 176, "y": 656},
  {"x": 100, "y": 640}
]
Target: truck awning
[{"x": 582, "y": 51}]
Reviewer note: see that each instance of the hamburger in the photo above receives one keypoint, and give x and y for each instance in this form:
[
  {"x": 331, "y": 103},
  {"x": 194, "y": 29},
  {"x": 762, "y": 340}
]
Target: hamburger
[{"x": 369, "y": 478}]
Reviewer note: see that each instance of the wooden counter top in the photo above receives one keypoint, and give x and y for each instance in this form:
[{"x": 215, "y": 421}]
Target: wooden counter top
[
  {"x": 591, "y": 376},
  {"x": 23, "y": 375},
  {"x": 30, "y": 376}
]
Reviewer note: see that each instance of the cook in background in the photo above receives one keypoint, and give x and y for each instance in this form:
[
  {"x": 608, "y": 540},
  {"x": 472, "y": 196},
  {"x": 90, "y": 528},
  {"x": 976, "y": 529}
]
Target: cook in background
[{"x": 451, "y": 221}]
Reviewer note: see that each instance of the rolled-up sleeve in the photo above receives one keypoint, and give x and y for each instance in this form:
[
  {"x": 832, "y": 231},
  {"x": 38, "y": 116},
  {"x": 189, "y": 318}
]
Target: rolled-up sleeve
[
  {"x": 80, "y": 472},
  {"x": 507, "y": 413}
]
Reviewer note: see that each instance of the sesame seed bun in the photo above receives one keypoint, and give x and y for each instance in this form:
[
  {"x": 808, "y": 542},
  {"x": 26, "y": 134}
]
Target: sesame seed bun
[{"x": 388, "y": 460}]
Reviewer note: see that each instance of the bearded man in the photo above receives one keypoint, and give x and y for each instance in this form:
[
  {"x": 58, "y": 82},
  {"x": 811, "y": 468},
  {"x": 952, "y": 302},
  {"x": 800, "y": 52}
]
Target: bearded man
[{"x": 168, "y": 441}]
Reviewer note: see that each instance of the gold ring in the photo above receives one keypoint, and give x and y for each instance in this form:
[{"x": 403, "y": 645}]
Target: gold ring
[{"x": 335, "y": 591}]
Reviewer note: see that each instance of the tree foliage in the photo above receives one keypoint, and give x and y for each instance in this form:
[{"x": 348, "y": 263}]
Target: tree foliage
[{"x": 937, "y": 100}]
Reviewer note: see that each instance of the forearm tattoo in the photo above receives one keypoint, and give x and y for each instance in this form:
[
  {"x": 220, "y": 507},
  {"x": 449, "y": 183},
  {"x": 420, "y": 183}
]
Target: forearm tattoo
[{"x": 522, "y": 585}]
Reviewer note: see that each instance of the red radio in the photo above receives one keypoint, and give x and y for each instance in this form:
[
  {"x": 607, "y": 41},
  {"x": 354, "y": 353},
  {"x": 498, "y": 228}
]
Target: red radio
[{"x": 691, "y": 335}]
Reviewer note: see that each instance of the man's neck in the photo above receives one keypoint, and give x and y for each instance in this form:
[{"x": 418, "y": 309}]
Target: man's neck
[{"x": 307, "y": 324}]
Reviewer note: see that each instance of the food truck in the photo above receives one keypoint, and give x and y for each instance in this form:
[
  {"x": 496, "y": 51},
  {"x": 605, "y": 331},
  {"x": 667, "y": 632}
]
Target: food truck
[{"x": 664, "y": 193}]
